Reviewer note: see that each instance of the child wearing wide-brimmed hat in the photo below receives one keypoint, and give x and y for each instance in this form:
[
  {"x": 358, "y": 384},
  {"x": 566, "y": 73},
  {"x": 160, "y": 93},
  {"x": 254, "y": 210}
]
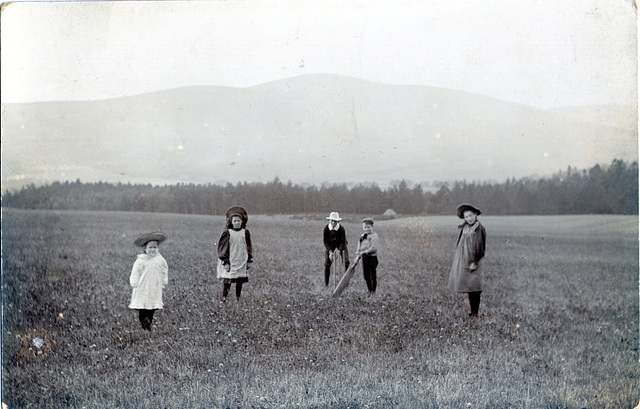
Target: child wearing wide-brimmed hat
[
  {"x": 149, "y": 276},
  {"x": 368, "y": 252},
  {"x": 234, "y": 252},
  {"x": 334, "y": 238},
  {"x": 466, "y": 271}
]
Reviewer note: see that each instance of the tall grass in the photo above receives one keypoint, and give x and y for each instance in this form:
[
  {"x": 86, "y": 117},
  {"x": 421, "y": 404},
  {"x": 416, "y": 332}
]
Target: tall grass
[{"x": 558, "y": 326}]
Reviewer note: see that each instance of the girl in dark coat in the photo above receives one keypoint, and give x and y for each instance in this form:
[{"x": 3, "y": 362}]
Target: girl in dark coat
[
  {"x": 234, "y": 252},
  {"x": 466, "y": 271}
]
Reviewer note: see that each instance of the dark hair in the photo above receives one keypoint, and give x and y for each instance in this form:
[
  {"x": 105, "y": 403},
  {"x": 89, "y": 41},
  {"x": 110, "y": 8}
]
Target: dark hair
[{"x": 230, "y": 218}]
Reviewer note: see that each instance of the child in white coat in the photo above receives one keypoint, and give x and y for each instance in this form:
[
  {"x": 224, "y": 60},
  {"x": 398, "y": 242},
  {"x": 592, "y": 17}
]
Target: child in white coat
[{"x": 149, "y": 276}]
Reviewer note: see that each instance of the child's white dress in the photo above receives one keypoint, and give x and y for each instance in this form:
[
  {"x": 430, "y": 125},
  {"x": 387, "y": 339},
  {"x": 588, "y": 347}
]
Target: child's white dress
[{"x": 149, "y": 276}]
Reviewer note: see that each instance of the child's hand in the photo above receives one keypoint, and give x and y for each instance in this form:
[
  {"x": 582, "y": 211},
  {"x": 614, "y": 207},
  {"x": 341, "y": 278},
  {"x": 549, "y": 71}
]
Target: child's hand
[
  {"x": 473, "y": 266},
  {"x": 227, "y": 267}
]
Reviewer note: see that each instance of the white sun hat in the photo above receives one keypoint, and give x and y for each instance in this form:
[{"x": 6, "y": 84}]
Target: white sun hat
[{"x": 334, "y": 216}]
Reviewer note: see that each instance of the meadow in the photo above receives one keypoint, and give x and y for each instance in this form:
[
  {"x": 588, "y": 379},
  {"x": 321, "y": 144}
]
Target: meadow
[{"x": 558, "y": 324}]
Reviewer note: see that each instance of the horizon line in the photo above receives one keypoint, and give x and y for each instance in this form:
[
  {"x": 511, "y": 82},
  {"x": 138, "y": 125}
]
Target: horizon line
[{"x": 320, "y": 74}]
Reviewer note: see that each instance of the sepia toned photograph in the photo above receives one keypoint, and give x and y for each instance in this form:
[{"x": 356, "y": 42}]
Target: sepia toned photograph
[{"x": 330, "y": 204}]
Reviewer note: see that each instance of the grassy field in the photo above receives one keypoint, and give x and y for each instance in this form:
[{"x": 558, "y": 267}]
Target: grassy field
[{"x": 558, "y": 325}]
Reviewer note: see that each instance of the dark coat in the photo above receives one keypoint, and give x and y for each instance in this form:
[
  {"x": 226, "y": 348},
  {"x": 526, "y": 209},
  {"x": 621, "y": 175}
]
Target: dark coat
[
  {"x": 479, "y": 241},
  {"x": 470, "y": 248},
  {"x": 334, "y": 239},
  {"x": 223, "y": 246}
]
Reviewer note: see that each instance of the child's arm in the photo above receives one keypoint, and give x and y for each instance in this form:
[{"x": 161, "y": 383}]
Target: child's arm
[
  {"x": 373, "y": 244},
  {"x": 477, "y": 250},
  {"x": 479, "y": 240},
  {"x": 367, "y": 244},
  {"x": 136, "y": 271},
  {"x": 343, "y": 239},
  {"x": 247, "y": 237},
  {"x": 223, "y": 247},
  {"x": 325, "y": 238},
  {"x": 165, "y": 273}
]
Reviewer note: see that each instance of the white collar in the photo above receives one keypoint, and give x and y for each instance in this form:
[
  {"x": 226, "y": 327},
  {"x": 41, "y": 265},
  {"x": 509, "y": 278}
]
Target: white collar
[{"x": 337, "y": 226}]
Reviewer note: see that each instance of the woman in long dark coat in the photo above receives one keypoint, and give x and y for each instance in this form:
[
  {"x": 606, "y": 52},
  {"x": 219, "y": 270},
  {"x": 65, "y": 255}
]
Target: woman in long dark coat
[{"x": 467, "y": 267}]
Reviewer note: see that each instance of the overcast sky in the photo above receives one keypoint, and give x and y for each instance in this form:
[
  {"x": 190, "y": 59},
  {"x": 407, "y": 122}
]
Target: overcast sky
[{"x": 543, "y": 53}]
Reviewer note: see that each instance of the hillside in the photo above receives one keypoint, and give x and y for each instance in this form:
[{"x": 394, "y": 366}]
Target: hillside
[{"x": 310, "y": 128}]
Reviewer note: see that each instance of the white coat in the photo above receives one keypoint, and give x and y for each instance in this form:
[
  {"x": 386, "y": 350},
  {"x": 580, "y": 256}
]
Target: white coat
[{"x": 149, "y": 276}]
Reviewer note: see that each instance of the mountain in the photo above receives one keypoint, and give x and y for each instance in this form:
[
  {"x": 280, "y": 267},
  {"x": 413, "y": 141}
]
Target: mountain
[{"x": 307, "y": 129}]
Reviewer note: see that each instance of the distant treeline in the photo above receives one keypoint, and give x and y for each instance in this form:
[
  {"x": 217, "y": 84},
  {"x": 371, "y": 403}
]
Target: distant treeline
[{"x": 611, "y": 189}]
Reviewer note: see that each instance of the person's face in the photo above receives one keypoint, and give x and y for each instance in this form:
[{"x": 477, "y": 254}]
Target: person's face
[
  {"x": 469, "y": 216},
  {"x": 333, "y": 223},
  {"x": 367, "y": 228},
  {"x": 236, "y": 222},
  {"x": 151, "y": 248}
]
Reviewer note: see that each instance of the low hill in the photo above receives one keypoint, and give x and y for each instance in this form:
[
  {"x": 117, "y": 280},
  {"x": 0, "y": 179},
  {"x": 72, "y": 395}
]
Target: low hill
[{"x": 307, "y": 129}]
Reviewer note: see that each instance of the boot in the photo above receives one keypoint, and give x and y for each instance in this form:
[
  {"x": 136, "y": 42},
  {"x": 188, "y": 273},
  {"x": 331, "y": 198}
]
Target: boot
[
  {"x": 225, "y": 291},
  {"x": 474, "y": 300}
]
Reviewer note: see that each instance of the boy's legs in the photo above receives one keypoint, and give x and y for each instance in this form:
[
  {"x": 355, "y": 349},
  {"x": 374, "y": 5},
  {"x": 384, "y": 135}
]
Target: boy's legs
[
  {"x": 366, "y": 271},
  {"x": 373, "y": 275}
]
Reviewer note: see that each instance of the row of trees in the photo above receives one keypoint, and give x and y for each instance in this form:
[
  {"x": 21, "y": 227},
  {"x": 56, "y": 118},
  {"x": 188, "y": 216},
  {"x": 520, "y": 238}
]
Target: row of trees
[
  {"x": 611, "y": 189},
  {"x": 600, "y": 190},
  {"x": 273, "y": 197}
]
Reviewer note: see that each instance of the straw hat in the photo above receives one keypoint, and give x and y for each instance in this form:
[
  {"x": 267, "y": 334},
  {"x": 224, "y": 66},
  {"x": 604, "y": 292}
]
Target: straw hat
[
  {"x": 146, "y": 238},
  {"x": 466, "y": 206},
  {"x": 334, "y": 216},
  {"x": 237, "y": 211}
]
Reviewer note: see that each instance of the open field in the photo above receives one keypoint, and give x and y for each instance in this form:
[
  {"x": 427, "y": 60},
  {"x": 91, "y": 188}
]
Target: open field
[{"x": 558, "y": 325}]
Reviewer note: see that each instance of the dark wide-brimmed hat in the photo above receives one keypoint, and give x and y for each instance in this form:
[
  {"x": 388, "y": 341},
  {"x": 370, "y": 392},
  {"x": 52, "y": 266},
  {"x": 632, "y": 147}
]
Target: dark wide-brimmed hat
[
  {"x": 146, "y": 238},
  {"x": 237, "y": 211},
  {"x": 368, "y": 220},
  {"x": 466, "y": 206}
]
